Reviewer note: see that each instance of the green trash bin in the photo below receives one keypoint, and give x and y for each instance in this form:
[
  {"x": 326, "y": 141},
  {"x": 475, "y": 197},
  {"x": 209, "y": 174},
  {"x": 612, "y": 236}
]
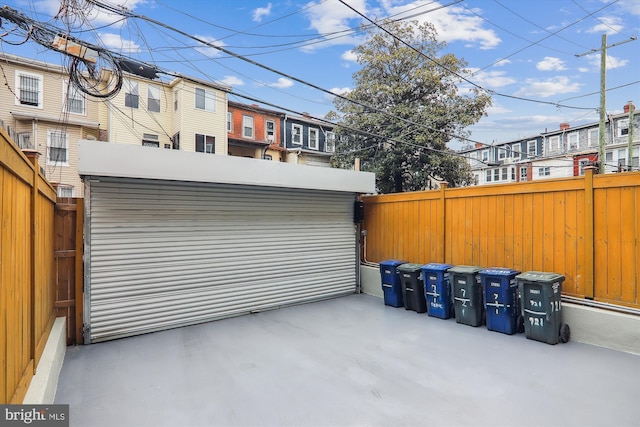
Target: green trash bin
[
  {"x": 467, "y": 294},
  {"x": 541, "y": 304}
]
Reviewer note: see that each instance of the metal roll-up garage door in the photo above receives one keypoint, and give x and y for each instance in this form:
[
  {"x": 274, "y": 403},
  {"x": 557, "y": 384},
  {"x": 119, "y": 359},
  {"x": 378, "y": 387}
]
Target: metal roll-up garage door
[{"x": 163, "y": 254}]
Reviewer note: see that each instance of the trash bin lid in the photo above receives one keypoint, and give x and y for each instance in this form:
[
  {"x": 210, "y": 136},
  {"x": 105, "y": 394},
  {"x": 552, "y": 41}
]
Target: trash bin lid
[
  {"x": 498, "y": 271},
  {"x": 465, "y": 269},
  {"x": 391, "y": 263},
  {"x": 539, "y": 276},
  {"x": 410, "y": 267},
  {"x": 434, "y": 266}
]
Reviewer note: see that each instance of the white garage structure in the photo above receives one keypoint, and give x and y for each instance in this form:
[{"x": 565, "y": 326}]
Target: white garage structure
[{"x": 175, "y": 238}]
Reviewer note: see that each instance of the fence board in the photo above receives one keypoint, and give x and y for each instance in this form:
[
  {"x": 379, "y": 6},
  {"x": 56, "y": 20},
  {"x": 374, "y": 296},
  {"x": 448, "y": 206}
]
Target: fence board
[
  {"x": 583, "y": 227},
  {"x": 26, "y": 278}
]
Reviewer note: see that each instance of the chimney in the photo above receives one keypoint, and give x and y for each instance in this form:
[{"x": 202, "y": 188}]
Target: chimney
[
  {"x": 479, "y": 145},
  {"x": 564, "y": 126},
  {"x": 628, "y": 106}
]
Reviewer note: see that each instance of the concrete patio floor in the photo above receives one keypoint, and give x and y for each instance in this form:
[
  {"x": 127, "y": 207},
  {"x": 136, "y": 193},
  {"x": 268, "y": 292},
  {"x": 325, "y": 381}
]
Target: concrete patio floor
[{"x": 346, "y": 362}]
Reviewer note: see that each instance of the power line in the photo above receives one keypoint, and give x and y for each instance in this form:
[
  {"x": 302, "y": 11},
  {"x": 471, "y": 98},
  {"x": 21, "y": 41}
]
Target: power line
[
  {"x": 460, "y": 76},
  {"x": 597, "y": 93}
]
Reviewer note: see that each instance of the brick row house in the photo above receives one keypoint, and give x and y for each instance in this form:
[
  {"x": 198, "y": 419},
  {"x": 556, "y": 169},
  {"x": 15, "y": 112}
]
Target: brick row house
[
  {"x": 43, "y": 112},
  {"x": 559, "y": 153}
]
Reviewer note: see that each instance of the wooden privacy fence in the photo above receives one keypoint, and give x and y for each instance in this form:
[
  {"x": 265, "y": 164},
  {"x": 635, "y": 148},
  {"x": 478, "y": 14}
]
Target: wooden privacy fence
[
  {"x": 27, "y": 283},
  {"x": 583, "y": 227}
]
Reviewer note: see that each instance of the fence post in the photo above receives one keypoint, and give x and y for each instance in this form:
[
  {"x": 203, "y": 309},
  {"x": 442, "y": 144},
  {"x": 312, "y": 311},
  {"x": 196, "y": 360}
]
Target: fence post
[
  {"x": 442, "y": 244},
  {"x": 33, "y": 155},
  {"x": 588, "y": 233},
  {"x": 79, "y": 271}
]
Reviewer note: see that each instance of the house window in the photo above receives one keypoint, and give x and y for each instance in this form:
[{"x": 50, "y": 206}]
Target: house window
[
  {"x": 532, "y": 149},
  {"x": 546, "y": 171},
  {"x": 513, "y": 174},
  {"x": 131, "y": 94},
  {"x": 268, "y": 157},
  {"x": 150, "y": 140},
  {"x": 330, "y": 142},
  {"x": 29, "y": 89},
  {"x": 313, "y": 139},
  {"x": 176, "y": 95},
  {"x": 504, "y": 174},
  {"x": 553, "y": 144},
  {"x": 153, "y": 99},
  {"x": 502, "y": 153},
  {"x": 205, "y": 143},
  {"x": 485, "y": 155},
  {"x": 573, "y": 140},
  {"x": 175, "y": 141},
  {"x": 229, "y": 121},
  {"x": 205, "y": 99},
  {"x": 247, "y": 126},
  {"x": 594, "y": 137},
  {"x": 622, "y": 157},
  {"x": 24, "y": 140},
  {"x": 476, "y": 179},
  {"x": 271, "y": 130},
  {"x": 623, "y": 127},
  {"x": 65, "y": 190},
  {"x": 167, "y": 146},
  {"x": 515, "y": 151},
  {"x": 523, "y": 173},
  {"x": 57, "y": 148},
  {"x": 496, "y": 174},
  {"x": 488, "y": 175},
  {"x": 73, "y": 99},
  {"x": 583, "y": 164},
  {"x": 608, "y": 157},
  {"x": 296, "y": 134}
]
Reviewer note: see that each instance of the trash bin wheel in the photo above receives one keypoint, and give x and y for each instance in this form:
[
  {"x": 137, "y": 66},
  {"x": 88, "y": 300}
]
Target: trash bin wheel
[
  {"x": 520, "y": 324},
  {"x": 565, "y": 333}
]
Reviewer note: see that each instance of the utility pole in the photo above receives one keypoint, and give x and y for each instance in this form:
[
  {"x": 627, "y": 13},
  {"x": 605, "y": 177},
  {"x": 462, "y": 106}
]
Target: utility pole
[{"x": 603, "y": 94}]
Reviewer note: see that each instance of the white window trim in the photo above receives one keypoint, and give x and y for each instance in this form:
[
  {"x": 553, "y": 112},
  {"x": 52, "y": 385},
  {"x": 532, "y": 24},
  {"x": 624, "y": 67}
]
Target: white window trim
[
  {"x": 40, "y": 78},
  {"x": 131, "y": 87},
  {"x": 622, "y": 124},
  {"x": 485, "y": 155},
  {"x": 150, "y": 89},
  {"x": 176, "y": 99},
  {"x": 293, "y": 127},
  {"x": 62, "y": 188},
  {"x": 554, "y": 143},
  {"x": 205, "y": 136},
  {"x": 535, "y": 147},
  {"x": 317, "y": 139},
  {"x": 209, "y": 95},
  {"x": 515, "y": 151},
  {"x": 245, "y": 119},
  {"x": 66, "y": 142},
  {"x": 65, "y": 99},
  {"x": 577, "y": 143},
  {"x": 330, "y": 142},
  {"x": 229, "y": 121},
  {"x": 593, "y": 142},
  {"x": 266, "y": 131}
]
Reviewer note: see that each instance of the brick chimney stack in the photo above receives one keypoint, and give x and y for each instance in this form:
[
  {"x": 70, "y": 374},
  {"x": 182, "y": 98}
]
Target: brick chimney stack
[
  {"x": 479, "y": 145},
  {"x": 627, "y": 107},
  {"x": 564, "y": 126}
]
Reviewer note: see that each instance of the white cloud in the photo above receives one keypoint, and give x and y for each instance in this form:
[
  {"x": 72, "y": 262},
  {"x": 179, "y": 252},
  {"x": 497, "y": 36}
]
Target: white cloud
[
  {"x": 452, "y": 23},
  {"x": 493, "y": 79},
  {"x": 209, "y": 51},
  {"x": 630, "y": 6},
  {"x": 550, "y": 87},
  {"x": 583, "y": 69},
  {"x": 282, "y": 83},
  {"x": 261, "y": 12},
  {"x": 612, "y": 61},
  {"x": 116, "y": 42},
  {"x": 340, "y": 90},
  {"x": 232, "y": 81},
  {"x": 497, "y": 109},
  {"x": 349, "y": 56},
  {"x": 607, "y": 24},
  {"x": 329, "y": 17},
  {"x": 550, "y": 63},
  {"x": 502, "y": 63}
]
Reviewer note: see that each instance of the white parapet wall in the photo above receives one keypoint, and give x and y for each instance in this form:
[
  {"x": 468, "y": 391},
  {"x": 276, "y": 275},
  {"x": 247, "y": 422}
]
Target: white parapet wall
[
  {"x": 604, "y": 328},
  {"x": 42, "y": 389}
]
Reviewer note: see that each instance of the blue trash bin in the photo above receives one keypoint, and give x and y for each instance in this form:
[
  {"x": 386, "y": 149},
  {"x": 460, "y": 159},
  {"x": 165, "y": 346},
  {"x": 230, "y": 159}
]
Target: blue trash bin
[
  {"x": 501, "y": 304},
  {"x": 391, "y": 285},
  {"x": 437, "y": 290}
]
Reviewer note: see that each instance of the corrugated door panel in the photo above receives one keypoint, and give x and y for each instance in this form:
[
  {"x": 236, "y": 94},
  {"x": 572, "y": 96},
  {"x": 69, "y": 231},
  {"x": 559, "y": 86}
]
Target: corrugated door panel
[{"x": 165, "y": 254}]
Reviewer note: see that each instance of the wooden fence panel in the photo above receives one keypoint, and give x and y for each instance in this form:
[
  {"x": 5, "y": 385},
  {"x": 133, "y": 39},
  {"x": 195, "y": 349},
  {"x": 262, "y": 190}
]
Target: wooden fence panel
[
  {"x": 26, "y": 270},
  {"x": 583, "y": 227}
]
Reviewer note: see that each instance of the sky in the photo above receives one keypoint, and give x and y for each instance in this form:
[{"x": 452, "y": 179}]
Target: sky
[{"x": 528, "y": 54}]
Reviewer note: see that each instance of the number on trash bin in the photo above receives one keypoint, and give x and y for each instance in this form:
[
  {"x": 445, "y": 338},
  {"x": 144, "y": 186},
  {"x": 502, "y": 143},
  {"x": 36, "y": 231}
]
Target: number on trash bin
[
  {"x": 555, "y": 306},
  {"x": 464, "y": 292},
  {"x": 433, "y": 288},
  {"x": 536, "y": 321}
]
